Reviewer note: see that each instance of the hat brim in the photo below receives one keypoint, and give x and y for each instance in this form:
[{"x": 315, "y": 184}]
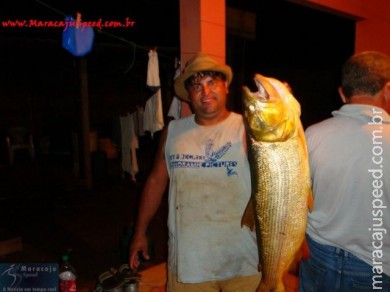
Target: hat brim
[{"x": 181, "y": 91}]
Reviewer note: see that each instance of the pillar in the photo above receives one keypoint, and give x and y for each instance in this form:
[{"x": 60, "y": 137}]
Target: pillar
[{"x": 202, "y": 28}]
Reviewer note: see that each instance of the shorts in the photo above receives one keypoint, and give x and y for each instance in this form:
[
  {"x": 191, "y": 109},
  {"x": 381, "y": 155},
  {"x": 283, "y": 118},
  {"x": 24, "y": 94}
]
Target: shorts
[{"x": 236, "y": 284}]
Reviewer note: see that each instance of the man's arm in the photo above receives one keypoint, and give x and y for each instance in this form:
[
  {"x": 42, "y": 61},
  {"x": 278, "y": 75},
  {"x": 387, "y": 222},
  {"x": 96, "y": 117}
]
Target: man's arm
[{"x": 151, "y": 197}]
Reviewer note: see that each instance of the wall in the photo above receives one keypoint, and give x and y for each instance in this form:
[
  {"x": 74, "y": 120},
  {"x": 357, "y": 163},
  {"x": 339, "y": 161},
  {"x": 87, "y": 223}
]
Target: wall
[
  {"x": 202, "y": 29},
  {"x": 372, "y": 20}
]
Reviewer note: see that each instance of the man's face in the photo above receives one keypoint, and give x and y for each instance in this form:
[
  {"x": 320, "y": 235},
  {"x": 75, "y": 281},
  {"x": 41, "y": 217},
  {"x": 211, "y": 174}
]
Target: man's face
[{"x": 208, "y": 96}]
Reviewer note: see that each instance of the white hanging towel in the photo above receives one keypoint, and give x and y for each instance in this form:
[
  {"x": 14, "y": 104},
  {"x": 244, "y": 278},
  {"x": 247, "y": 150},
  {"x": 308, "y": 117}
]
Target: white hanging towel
[
  {"x": 153, "y": 77},
  {"x": 129, "y": 146},
  {"x": 153, "y": 114}
]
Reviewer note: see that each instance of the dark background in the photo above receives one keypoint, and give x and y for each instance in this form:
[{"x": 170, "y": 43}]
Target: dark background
[
  {"x": 40, "y": 86},
  {"x": 299, "y": 45}
]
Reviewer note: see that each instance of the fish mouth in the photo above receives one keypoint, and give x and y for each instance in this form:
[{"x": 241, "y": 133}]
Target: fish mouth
[
  {"x": 269, "y": 111},
  {"x": 261, "y": 93},
  {"x": 256, "y": 90}
]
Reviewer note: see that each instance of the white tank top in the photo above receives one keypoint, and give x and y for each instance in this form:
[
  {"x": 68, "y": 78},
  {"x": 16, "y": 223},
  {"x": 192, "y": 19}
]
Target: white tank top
[{"x": 208, "y": 193}]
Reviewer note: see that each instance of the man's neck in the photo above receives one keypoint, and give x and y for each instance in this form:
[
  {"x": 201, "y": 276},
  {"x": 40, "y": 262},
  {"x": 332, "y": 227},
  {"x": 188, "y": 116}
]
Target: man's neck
[
  {"x": 368, "y": 100},
  {"x": 209, "y": 121}
]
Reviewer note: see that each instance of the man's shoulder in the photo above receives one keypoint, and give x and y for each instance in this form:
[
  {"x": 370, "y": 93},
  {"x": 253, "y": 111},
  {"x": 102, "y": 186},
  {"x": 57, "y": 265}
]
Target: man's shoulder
[
  {"x": 236, "y": 116},
  {"x": 180, "y": 125},
  {"x": 321, "y": 125},
  {"x": 182, "y": 120}
]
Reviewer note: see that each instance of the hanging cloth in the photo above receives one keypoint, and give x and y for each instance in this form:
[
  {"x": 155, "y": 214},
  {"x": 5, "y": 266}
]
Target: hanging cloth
[
  {"x": 129, "y": 145},
  {"x": 175, "y": 108},
  {"x": 153, "y": 75},
  {"x": 153, "y": 114}
]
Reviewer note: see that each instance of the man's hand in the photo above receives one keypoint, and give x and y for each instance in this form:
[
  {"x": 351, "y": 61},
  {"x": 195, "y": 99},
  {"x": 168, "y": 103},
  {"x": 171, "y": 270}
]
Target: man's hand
[{"x": 138, "y": 245}]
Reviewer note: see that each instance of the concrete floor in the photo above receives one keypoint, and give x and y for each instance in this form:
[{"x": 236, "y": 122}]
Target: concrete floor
[{"x": 53, "y": 213}]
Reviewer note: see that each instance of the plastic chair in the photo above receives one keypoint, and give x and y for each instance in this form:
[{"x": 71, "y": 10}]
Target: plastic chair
[{"x": 19, "y": 138}]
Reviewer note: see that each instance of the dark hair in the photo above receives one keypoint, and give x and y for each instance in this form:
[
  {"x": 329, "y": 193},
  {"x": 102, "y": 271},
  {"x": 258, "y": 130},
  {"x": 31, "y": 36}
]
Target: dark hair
[
  {"x": 197, "y": 76},
  {"x": 365, "y": 73}
]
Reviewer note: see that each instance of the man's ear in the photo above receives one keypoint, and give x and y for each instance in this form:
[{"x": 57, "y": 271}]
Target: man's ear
[{"x": 343, "y": 98}]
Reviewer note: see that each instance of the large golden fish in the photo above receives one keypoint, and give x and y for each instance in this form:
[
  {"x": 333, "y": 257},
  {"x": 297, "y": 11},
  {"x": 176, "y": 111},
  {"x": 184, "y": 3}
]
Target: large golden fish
[{"x": 280, "y": 177}]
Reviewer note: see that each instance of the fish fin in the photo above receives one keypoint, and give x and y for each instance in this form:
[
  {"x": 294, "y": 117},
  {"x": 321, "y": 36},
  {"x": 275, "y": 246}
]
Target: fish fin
[
  {"x": 310, "y": 200},
  {"x": 305, "y": 249},
  {"x": 291, "y": 282},
  {"x": 248, "y": 218},
  {"x": 293, "y": 266},
  {"x": 263, "y": 288}
]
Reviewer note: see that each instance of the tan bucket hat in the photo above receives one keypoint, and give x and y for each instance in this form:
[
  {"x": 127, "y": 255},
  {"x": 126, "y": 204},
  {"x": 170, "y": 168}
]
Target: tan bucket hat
[{"x": 200, "y": 62}]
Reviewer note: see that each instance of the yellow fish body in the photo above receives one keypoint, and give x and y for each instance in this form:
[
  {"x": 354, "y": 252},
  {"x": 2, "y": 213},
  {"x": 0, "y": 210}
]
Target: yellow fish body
[{"x": 280, "y": 177}]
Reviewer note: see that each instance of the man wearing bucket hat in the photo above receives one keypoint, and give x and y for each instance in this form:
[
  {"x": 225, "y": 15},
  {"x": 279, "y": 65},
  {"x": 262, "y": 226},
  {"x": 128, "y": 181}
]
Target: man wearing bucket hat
[{"x": 203, "y": 157}]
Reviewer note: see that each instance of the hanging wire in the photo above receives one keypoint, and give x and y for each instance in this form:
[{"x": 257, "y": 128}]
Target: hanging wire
[
  {"x": 51, "y": 8},
  {"x": 134, "y": 45},
  {"x": 132, "y": 63}
]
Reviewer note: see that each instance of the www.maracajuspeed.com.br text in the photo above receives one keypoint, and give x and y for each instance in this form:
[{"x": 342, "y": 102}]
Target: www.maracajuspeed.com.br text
[{"x": 34, "y": 23}]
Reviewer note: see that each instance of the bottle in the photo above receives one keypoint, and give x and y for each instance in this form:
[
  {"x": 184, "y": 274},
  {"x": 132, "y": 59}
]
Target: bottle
[{"x": 67, "y": 276}]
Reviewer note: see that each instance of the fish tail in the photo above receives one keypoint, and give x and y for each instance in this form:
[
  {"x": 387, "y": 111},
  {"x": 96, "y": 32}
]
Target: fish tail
[
  {"x": 248, "y": 218},
  {"x": 266, "y": 288},
  {"x": 310, "y": 200},
  {"x": 263, "y": 288}
]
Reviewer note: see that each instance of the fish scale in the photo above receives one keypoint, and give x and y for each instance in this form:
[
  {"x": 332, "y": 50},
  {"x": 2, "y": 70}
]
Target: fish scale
[
  {"x": 274, "y": 211},
  {"x": 280, "y": 178}
]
